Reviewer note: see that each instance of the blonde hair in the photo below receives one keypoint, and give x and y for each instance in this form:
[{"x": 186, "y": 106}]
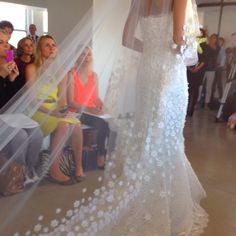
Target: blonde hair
[
  {"x": 91, "y": 51},
  {"x": 38, "y": 56}
]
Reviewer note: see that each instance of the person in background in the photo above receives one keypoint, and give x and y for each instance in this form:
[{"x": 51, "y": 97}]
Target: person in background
[
  {"x": 26, "y": 143},
  {"x": 25, "y": 56},
  {"x": 234, "y": 54},
  {"x": 212, "y": 50},
  {"x": 83, "y": 95},
  {"x": 201, "y": 40},
  {"x": 8, "y": 27},
  {"x": 229, "y": 60},
  {"x": 32, "y": 33},
  {"x": 52, "y": 116},
  {"x": 220, "y": 64},
  {"x": 9, "y": 71},
  {"x": 196, "y": 73}
]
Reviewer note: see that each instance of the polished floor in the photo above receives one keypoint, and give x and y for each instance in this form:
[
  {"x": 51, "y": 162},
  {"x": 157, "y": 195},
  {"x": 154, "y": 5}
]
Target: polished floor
[{"x": 210, "y": 147}]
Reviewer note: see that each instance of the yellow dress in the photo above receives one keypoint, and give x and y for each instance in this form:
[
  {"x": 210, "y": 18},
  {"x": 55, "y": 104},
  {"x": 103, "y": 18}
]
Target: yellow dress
[{"x": 49, "y": 123}]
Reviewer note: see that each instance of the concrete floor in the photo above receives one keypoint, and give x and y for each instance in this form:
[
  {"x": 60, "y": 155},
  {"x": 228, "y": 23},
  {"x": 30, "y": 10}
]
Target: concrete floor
[{"x": 210, "y": 147}]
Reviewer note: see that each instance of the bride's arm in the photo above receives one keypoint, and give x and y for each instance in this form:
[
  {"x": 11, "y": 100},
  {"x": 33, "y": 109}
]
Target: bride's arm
[
  {"x": 129, "y": 39},
  {"x": 179, "y": 12}
]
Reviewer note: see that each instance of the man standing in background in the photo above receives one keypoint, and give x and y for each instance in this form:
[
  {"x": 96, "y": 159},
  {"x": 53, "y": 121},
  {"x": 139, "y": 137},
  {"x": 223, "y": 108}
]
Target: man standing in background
[{"x": 32, "y": 31}]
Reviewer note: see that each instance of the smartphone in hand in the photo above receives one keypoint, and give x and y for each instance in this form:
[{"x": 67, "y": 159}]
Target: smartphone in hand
[
  {"x": 64, "y": 109},
  {"x": 10, "y": 56}
]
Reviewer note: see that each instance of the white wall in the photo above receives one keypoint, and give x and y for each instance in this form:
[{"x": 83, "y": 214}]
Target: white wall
[
  {"x": 36, "y": 3},
  {"x": 229, "y": 20},
  {"x": 108, "y": 41},
  {"x": 37, "y": 20},
  {"x": 63, "y": 15},
  {"x": 210, "y": 16}
]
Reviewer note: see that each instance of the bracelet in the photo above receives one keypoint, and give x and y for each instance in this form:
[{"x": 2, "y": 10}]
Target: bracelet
[{"x": 181, "y": 47}]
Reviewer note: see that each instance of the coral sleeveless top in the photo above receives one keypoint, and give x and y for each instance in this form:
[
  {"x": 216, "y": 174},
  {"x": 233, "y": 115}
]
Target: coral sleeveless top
[{"x": 84, "y": 94}]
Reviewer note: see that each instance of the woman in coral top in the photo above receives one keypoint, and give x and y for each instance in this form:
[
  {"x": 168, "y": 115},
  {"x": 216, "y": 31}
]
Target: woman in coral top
[{"x": 83, "y": 96}]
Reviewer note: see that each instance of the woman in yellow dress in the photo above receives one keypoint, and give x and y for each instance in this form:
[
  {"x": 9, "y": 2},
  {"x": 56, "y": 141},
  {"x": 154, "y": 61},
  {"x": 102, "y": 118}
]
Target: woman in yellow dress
[{"x": 51, "y": 115}]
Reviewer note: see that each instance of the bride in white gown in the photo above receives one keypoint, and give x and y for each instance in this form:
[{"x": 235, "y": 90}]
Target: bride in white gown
[
  {"x": 149, "y": 187},
  {"x": 168, "y": 200}
]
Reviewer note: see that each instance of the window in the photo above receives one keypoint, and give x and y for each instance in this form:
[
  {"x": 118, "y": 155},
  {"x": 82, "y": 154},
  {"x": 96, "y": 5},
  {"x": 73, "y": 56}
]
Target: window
[{"x": 21, "y": 17}]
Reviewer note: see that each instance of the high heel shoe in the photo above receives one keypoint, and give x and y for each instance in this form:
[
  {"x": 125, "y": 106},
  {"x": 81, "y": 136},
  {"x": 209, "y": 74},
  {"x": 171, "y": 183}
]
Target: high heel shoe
[
  {"x": 70, "y": 181},
  {"x": 79, "y": 178}
]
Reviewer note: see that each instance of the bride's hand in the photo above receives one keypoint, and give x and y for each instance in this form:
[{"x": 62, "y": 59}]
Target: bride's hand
[
  {"x": 178, "y": 35},
  {"x": 179, "y": 42}
]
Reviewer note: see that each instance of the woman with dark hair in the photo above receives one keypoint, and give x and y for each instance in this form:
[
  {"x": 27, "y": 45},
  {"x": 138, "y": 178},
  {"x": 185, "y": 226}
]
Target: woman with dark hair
[
  {"x": 25, "y": 145},
  {"x": 8, "y": 27},
  {"x": 9, "y": 71}
]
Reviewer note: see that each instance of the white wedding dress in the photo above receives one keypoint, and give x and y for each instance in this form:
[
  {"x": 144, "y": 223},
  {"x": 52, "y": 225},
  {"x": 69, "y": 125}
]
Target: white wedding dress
[{"x": 168, "y": 194}]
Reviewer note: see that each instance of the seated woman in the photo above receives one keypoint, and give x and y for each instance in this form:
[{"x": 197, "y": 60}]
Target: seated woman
[
  {"x": 9, "y": 71},
  {"x": 82, "y": 92},
  {"x": 26, "y": 143},
  {"x": 50, "y": 116},
  {"x": 25, "y": 56}
]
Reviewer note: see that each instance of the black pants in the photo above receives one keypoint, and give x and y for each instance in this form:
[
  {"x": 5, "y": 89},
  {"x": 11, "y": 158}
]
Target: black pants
[
  {"x": 102, "y": 128},
  {"x": 194, "y": 82}
]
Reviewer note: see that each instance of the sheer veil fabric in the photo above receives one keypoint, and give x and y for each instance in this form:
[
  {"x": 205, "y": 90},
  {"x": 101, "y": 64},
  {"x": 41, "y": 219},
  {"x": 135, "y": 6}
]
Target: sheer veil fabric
[{"x": 148, "y": 186}]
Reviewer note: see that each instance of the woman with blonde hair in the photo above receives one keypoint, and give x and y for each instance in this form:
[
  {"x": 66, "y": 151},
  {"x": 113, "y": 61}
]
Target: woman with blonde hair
[
  {"x": 83, "y": 96},
  {"x": 52, "y": 114}
]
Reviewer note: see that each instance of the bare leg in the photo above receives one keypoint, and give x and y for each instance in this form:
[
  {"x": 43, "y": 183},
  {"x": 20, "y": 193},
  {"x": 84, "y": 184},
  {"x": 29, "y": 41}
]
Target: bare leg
[
  {"x": 56, "y": 148},
  {"x": 101, "y": 161},
  {"x": 35, "y": 142},
  {"x": 77, "y": 145}
]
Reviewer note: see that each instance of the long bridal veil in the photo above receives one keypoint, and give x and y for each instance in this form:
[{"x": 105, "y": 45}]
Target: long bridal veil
[{"x": 134, "y": 194}]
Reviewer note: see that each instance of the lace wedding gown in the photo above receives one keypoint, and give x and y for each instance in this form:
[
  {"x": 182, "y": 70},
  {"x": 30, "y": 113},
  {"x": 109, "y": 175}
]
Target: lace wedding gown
[{"x": 167, "y": 199}]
